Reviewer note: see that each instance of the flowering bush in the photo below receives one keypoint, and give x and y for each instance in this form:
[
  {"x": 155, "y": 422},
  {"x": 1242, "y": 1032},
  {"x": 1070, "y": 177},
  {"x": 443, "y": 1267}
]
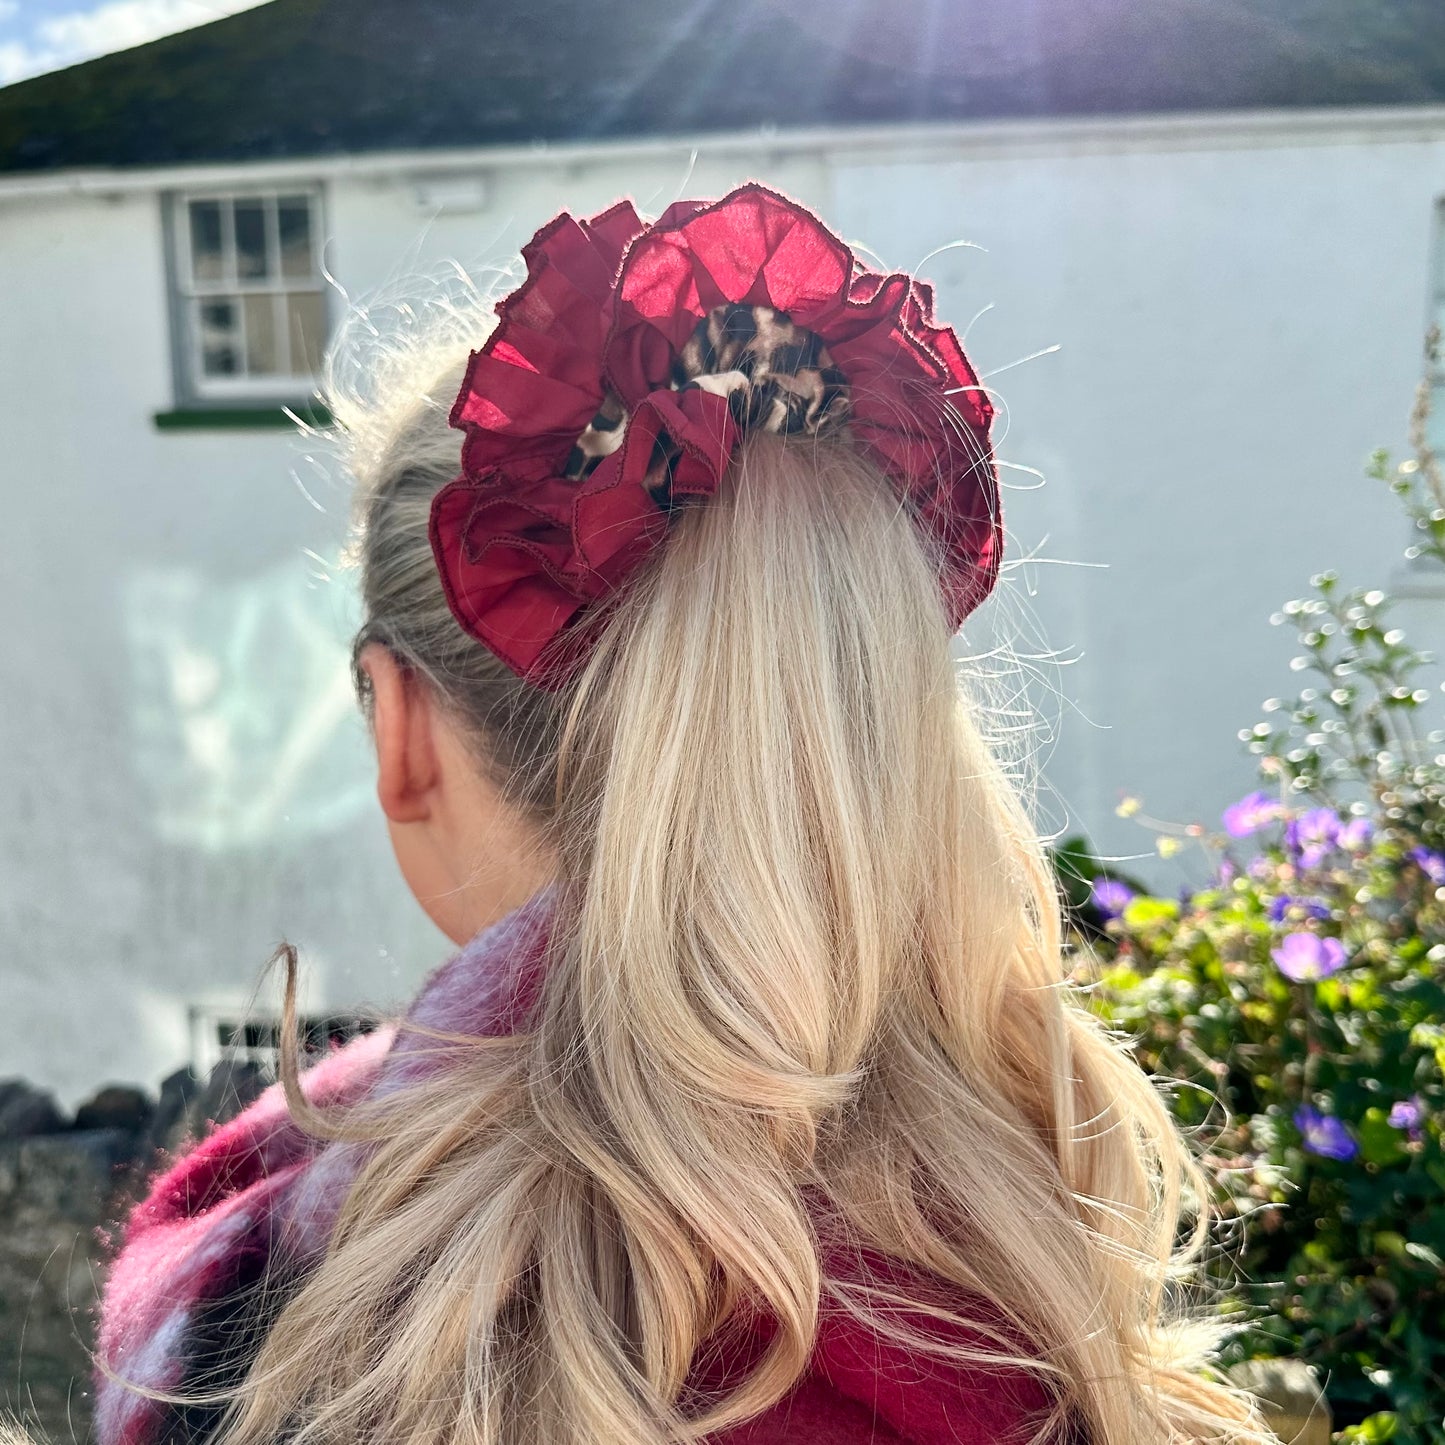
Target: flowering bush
[{"x": 1296, "y": 1005}]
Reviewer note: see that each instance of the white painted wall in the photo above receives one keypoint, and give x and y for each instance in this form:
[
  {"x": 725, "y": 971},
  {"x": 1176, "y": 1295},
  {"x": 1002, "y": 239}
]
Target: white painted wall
[
  {"x": 1238, "y": 328},
  {"x": 1238, "y": 308}
]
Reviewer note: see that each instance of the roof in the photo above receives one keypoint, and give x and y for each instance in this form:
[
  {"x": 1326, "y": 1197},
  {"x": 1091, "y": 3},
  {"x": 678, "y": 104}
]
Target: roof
[{"x": 297, "y": 78}]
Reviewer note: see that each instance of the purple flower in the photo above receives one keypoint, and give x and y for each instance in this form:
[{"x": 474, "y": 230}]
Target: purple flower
[
  {"x": 1431, "y": 864},
  {"x": 1250, "y": 814},
  {"x": 1356, "y": 834},
  {"x": 1305, "y": 957},
  {"x": 1324, "y": 1134},
  {"x": 1111, "y": 897},
  {"x": 1308, "y": 908},
  {"x": 1312, "y": 835},
  {"x": 1228, "y": 870},
  {"x": 1409, "y": 1114}
]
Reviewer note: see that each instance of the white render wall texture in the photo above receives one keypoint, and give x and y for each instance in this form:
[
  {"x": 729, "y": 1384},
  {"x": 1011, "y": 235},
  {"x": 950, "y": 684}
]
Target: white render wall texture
[{"x": 1237, "y": 305}]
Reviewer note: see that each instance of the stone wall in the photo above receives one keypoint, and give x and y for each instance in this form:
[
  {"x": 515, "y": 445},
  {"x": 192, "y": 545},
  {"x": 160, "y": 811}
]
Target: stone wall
[{"x": 64, "y": 1182}]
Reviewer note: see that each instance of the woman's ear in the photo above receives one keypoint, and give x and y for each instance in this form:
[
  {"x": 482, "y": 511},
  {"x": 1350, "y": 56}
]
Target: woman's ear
[{"x": 402, "y": 719}]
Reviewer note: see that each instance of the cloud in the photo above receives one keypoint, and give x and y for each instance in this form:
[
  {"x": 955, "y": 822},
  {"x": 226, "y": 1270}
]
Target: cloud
[
  {"x": 16, "y": 61},
  {"x": 115, "y": 25}
]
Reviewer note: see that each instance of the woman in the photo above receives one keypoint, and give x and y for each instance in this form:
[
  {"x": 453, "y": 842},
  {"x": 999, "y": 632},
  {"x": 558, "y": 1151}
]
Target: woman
[{"x": 754, "y": 1107}]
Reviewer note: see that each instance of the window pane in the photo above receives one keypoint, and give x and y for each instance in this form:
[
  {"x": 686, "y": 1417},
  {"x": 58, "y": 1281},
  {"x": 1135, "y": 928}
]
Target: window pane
[
  {"x": 294, "y": 214},
  {"x": 262, "y": 356},
  {"x": 251, "y": 240},
  {"x": 1435, "y": 358},
  {"x": 307, "y": 313},
  {"x": 206, "y": 240},
  {"x": 220, "y": 338}
]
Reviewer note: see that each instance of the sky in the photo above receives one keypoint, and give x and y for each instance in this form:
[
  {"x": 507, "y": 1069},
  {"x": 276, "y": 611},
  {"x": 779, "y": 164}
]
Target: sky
[{"x": 41, "y": 35}]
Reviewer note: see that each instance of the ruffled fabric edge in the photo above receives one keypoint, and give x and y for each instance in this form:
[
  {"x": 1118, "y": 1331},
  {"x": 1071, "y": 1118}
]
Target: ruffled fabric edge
[{"x": 607, "y": 305}]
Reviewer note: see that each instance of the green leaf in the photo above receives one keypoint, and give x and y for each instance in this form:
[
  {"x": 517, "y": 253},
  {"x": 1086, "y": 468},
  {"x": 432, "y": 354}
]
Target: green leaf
[
  {"x": 1380, "y": 1426},
  {"x": 1373, "y": 1428},
  {"x": 1387, "y": 1241},
  {"x": 1076, "y": 866},
  {"x": 1143, "y": 912},
  {"x": 1380, "y": 1141}
]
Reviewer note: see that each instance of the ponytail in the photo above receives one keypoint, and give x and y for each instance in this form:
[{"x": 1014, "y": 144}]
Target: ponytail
[{"x": 805, "y": 996}]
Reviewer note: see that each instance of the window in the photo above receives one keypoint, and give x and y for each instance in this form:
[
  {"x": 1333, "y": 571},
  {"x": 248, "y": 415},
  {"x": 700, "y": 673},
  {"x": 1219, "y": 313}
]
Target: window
[
  {"x": 1435, "y": 345},
  {"x": 250, "y": 303},
  {"x": 221, "y": 1035}
]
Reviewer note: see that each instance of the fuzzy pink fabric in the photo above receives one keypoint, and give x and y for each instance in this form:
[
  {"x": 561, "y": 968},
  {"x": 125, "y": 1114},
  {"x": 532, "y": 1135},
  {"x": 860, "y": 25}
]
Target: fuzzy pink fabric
[{"x": 258, "y": 1199}]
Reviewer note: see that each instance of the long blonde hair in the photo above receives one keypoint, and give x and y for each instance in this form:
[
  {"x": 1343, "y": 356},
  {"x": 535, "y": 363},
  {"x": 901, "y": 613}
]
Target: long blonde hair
[{"x": 807, "y": 980}]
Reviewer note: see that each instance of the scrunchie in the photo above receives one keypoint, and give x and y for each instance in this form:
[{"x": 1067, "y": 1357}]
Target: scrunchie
[{"x": 626, "y": 368}]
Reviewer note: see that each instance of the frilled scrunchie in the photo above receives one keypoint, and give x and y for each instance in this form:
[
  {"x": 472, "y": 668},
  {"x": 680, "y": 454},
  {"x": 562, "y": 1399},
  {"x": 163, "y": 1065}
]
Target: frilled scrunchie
[{"x": 627, "y": 367}]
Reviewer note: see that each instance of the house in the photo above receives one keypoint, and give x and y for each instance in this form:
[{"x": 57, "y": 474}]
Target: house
[{"x": 1222, "y": 213}]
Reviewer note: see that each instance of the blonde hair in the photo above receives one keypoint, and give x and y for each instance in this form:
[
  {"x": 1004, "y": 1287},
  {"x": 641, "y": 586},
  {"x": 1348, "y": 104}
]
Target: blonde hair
[{"x": 806, "y": 984}]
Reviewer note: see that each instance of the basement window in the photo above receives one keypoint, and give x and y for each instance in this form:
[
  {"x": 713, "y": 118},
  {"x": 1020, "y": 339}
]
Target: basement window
[{"x": 234, "y": 1036}]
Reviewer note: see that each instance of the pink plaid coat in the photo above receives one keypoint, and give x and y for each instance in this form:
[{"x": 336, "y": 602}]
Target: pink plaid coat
[{"x": 229, "y": 1230}]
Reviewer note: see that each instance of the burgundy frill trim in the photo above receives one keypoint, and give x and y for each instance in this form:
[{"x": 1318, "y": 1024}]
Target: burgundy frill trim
[{"x": 607, "y": 305}]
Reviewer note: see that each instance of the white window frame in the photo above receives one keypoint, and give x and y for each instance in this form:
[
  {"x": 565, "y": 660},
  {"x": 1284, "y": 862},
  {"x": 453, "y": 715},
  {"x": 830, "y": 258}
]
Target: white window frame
[
  {"x": 193, "y": 386},
  {"x": 1435, "y": 374}
]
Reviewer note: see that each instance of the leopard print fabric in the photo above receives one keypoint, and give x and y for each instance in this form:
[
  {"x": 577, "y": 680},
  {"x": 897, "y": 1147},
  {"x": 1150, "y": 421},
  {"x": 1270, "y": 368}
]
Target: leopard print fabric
[{"x": 777, "y": 377}]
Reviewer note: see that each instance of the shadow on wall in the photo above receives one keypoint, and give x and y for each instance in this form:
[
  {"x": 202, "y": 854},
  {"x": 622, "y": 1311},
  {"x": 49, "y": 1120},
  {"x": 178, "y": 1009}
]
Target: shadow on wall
[{"x": 224, "y": 750}]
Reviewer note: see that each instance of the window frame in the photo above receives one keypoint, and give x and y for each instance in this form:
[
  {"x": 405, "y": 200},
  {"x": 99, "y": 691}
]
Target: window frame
[
  {"x": 1435, "y": 310},
  {"x": 193, "y": 388},
  {"x": 238, "y": 1033}
]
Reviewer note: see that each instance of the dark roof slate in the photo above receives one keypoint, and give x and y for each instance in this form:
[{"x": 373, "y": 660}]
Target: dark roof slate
[{"x": 312, "y": 77}]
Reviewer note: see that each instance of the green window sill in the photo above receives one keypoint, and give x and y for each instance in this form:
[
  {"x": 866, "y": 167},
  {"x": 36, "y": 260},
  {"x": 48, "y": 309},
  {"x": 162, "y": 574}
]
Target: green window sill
[{"x": 241, "y": 418}]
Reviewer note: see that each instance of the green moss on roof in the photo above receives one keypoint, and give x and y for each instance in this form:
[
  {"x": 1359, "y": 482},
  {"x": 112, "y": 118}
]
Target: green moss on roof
[{"x": 312, "y": 77}]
